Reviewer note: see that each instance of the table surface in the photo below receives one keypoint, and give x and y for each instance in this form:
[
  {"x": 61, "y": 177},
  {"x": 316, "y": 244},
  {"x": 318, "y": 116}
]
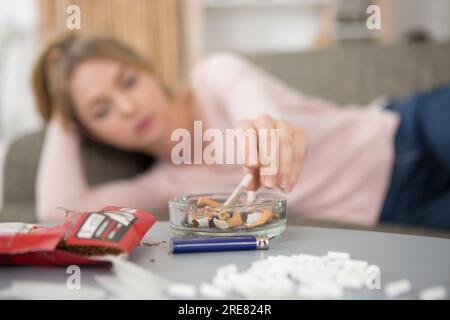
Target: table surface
[{"x": 424, "y": 261}]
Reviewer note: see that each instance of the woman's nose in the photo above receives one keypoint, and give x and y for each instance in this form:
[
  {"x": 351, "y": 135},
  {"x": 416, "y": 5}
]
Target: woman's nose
[{"x": 126, "y": 106}]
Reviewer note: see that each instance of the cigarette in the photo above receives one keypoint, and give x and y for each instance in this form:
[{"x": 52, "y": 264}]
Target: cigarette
[
  {"x": 221, "y": 224},
  {"x": 235, "y": 220},
  {"x": 223, "y": 215},
  {"x": 207, "y": 213},
  {"x": 239, "y": 190},
  {"x": 191, "y": 218},
  {"x": 251, "y": 196},
  {"x": 204, "y": 201},
  {"x": 200, "y": 222},
  {"x": 259, "y": 218}
]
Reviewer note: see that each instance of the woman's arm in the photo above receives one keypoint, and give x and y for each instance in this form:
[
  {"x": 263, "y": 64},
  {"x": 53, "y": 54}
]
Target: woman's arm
[
  {"x": 242, "y": 88},
  {"x": 253, "y": 100},
  {"x": 61, "y": 180}
]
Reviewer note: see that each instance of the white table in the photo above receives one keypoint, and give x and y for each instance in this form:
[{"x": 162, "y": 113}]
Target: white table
[{"x": 424, "y": 261}]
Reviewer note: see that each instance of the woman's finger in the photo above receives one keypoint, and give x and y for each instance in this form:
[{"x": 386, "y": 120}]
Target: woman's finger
[
  {"x": 286, "y": 154},
  {"x": 300, "y": 145},
  {"x": 267, "y": 151},
  {"x": 249, "y": 139},
  {"x": 254, "y": 184}
]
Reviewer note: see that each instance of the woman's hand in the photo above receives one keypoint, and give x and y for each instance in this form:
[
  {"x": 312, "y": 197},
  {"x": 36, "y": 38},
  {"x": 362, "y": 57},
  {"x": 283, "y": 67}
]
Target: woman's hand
[{"x": 275, "y": 158}]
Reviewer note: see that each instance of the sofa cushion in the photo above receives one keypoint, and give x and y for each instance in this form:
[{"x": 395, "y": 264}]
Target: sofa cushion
[{"x": 101, "y": 164}]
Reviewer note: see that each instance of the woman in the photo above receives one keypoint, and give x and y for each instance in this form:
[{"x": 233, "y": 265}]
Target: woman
[{"x": 99, "y": 87}]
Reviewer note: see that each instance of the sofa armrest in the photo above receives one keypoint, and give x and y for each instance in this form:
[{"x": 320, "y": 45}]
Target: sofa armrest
[{"x": 101, "y": 164}]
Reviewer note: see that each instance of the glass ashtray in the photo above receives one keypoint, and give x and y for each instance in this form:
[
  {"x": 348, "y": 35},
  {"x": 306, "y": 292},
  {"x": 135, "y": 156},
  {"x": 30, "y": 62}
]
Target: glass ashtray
[{"x": 203, "y": 214}]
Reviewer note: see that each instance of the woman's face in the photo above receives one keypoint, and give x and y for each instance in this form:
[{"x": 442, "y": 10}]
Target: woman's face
[{"x": 118, "y": 104}]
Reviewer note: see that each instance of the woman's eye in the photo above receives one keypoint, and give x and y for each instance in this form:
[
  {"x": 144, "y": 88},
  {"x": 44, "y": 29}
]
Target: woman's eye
[
  {"x": 101, "y": 111},
  {"x": 129, "y": 81}
]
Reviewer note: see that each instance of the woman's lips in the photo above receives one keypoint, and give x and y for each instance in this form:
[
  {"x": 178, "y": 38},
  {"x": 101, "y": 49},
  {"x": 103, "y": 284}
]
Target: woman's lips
[{"x": 143, "y": 125}]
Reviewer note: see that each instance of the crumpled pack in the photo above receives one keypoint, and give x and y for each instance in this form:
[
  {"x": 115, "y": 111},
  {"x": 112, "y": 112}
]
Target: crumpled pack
[{"x": 87, "y": 238}]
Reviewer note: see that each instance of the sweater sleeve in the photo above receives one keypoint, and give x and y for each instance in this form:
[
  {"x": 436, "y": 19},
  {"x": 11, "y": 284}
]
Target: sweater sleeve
[
  {"x": 61, "y": 181},
  {"x": 242, "y": 89}
]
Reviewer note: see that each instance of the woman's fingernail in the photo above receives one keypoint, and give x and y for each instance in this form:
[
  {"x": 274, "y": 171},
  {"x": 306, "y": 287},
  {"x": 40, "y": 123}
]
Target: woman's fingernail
[
  {"x": 267, "y": 181},
  {"x": 284, "y": 182},
  {"x": 291, "y": 185},
  {"x": 273, "y": 181}
]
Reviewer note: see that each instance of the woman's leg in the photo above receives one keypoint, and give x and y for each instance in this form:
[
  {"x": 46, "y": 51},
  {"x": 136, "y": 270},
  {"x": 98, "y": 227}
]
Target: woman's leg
[
  {"x": 434, "y": 130},
  {"x": 419, "y": 193},
  {"x": 434, "y": 214},
  {"x": 434, "y": 125}
]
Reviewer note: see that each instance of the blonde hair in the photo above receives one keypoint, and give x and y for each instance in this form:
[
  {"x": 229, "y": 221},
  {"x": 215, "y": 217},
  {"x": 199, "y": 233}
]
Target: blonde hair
[{"x": 58, "y": 60}]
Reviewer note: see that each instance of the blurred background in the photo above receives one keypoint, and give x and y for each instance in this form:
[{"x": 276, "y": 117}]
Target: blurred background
[{"x": 175, "y": 34}]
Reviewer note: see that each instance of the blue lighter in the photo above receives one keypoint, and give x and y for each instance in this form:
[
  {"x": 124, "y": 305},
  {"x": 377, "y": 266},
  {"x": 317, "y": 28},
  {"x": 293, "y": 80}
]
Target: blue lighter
[{"x": 205, "y": 244}]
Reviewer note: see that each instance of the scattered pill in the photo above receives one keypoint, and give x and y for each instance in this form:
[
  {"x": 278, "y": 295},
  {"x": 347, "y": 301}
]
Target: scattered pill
[
  {"x": 181, "y": 290},
  {"x": 338, "y": 255},
  {"x": 397, "y": 288},
  {"x": 433, "y": 293},
  {"x": 208, "y": 290},
  {"x": 301, "y": 275},
  {"x": 228, "y": 269}
]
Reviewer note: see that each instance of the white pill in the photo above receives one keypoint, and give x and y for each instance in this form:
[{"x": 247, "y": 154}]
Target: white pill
[
  {"x": 397, "y": 288},
  {"x": 323, "y": 289},
  {"x": 307, "y": 257},
  {"x": 181, "y": 290},
  {"x": 433, "y": 293},
  {"x": 309, "y": 291},
  {"x": 228, "y": 269},
  {"x": 281, "y": 276},
  {"x": 359, "y": 264},
  {"x": 223, "y": 284},
  {"x": 210, "y": 291},
  {"x": 333, "y": 291},
  {"x": 350, "y": 281},
  {"x": 338, "y": 255}
]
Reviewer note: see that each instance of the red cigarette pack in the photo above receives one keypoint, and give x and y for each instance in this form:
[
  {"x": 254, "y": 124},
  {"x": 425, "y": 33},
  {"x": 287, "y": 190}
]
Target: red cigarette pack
[{"x": 82, "y": 239}]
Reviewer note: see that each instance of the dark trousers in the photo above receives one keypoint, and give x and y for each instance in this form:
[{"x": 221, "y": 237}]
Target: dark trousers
[{"x": 419, "y": 191}]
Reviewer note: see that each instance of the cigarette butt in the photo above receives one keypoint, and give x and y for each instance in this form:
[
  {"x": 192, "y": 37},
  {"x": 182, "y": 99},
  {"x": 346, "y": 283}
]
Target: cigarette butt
[
  {"x": 267, "y": 215},
  {"x": 201, "y": 222},
  {"x": 205, "y": 201},
  {"x": 253, "y": 217},
  {"x": 264, "y": 217},
  {"x": 223, "y": 215},
  {"x": 190, "y": 218},
  {"x": 221, "y": 224},
  {"x": 207, "y": 213},
  {"x": 235, "y": 220}
]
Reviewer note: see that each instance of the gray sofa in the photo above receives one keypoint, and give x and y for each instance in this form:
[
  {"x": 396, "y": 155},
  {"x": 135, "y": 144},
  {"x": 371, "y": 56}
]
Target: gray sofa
[{"x": 350, "y": 74}]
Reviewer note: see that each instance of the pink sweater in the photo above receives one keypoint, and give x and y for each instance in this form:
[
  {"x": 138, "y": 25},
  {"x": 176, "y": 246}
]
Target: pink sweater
[{"x": 344, "y": 178}]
